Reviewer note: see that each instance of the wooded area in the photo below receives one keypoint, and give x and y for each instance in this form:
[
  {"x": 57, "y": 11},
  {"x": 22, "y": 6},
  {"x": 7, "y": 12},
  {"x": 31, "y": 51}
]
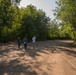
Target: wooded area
[
  {"x": 29, "y": 21},
  {"x": 66, "y": 12},
  {"x": 50, "y": 55}
]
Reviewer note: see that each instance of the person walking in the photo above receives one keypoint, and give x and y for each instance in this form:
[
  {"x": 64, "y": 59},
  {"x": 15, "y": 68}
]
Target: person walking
[
  {"x": 25, "y": 42},
  {"x": 19, "y": 42},
  {"x": 34, "y": 39}
]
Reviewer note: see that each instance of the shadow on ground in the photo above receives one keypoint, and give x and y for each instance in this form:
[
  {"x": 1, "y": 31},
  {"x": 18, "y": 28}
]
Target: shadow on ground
[
  {"x": 68, "y": 51},
  {"x": 14, "y": 68},
  {"x": 16, "y": 61}
]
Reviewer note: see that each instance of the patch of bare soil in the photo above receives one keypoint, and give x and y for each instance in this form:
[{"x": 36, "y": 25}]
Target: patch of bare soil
[{"x": 40, "y": 58}]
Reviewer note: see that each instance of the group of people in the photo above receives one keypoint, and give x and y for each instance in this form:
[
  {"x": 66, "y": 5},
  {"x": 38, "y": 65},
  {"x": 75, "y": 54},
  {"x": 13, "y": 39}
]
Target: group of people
[{"x": 25, "y": 41}]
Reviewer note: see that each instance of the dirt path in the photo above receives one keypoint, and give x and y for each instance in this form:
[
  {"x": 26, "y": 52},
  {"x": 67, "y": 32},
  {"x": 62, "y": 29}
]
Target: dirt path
[{"x": 53, "y": 57}]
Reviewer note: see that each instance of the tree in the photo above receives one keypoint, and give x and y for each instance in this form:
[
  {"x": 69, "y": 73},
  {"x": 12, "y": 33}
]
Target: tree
[
  {"x": 15, "y": 1},
  {"x": 15, "y": 21},
  {"x": 54, "y": 29},
  {"x": 34, "y": 22},
  {"x": 9, "y": 20},
  {"x": 66, "y": 12}
]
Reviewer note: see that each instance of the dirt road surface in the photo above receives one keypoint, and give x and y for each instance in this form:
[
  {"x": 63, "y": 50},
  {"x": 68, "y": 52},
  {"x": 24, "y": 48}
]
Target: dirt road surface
[{"x": 51, "y": 57}]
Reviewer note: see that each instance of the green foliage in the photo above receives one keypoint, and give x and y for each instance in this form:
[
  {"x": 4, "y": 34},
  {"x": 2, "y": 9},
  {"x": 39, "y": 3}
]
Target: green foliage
[
  {"x": 22, "y": 22},
  {"x": 9, "y": 20},
  {"x": 66, "y": 12},
  {"x": 29, "y": 21},
  {"x": 5, "y": 34},
  {"x": 54, "y": 29},
  {"x": 65, "y": 31},
  {"x": 34, "y": 22}
]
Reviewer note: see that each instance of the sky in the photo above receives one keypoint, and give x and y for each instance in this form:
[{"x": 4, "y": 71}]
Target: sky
[{"x": 46, "y": 5}]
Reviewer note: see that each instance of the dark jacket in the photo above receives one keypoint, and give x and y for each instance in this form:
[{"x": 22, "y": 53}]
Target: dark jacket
[{"x": 25, "y": 40}]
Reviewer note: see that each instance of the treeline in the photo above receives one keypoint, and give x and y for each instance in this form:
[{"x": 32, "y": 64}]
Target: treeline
[
  {"x": 15, "y": 21},
  {"x": 29, "y": 21},
  {"x": 66, "y": 12}
]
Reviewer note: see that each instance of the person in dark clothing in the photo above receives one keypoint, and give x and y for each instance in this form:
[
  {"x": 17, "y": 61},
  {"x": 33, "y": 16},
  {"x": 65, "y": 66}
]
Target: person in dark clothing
[
  {"x": 25, "y": 42},
  {"x": 19, "y": 42}
]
